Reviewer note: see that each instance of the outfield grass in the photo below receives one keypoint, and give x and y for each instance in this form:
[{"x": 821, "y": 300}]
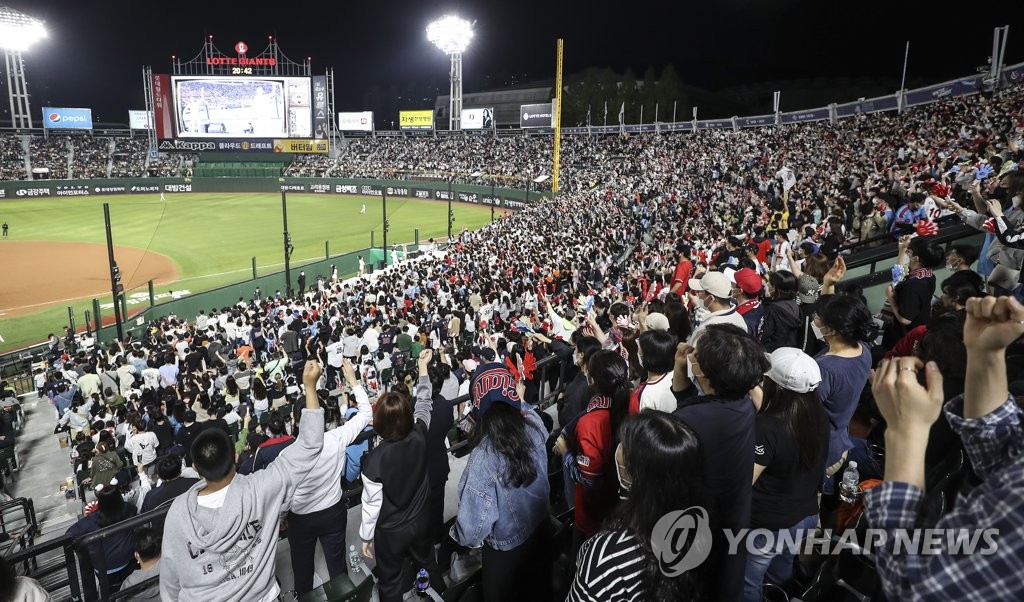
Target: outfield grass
[{"x": 211, "y": 238}]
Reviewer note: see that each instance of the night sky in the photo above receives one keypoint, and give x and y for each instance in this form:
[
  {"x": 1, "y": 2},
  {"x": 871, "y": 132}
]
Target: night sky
[{"x": 96, "y": 50}]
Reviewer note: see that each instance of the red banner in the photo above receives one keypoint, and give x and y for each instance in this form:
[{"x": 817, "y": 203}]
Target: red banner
[{"x": 162, "y": 106}]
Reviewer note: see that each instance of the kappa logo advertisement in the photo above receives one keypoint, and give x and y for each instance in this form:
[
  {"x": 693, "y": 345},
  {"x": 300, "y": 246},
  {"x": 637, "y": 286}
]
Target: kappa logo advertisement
[{"x": 187, "y": 145}]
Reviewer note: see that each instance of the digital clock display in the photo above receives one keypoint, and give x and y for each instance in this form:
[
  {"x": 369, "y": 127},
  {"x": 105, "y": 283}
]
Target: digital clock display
[{"x": 241, "y": 71}]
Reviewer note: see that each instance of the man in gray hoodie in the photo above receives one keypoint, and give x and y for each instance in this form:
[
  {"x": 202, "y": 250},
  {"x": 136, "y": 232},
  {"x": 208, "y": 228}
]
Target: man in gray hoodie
[{"x": 220, "y": 537}]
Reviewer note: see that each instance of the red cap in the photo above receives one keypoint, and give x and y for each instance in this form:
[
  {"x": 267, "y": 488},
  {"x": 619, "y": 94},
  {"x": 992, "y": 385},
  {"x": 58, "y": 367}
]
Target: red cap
[{"x": 748, "y": 280}]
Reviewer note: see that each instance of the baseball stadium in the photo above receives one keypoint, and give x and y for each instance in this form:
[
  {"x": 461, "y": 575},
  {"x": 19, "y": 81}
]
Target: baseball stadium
[{"x": 568, "y": 335}]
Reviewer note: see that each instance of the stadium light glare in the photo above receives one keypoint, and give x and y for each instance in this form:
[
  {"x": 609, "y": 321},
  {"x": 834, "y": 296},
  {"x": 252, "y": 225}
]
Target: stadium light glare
[
  {"x": 451, "y": 34},
  {"x": 19, "y": 31}
]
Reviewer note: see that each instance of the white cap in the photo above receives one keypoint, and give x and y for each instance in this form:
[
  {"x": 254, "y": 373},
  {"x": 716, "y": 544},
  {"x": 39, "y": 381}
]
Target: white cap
[
  {"x": 793, "y": 370},
  {"x": 715, "y": 283}
]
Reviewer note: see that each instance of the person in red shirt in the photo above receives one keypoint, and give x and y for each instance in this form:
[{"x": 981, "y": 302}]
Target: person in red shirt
[
  {"x": 587, "y": 445},
  {"x": 763, "y": 243},
  {"x": 683, "y": 273}
]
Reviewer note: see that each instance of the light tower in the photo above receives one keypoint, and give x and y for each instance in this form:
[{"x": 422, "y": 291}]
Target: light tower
[
  {"x": 18, "y": 32},
  {"x": 452, "y": 35}
]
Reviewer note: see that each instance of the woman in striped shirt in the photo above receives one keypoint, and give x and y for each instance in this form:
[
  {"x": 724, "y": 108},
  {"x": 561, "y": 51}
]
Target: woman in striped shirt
[{"x": 659, "y": 465}]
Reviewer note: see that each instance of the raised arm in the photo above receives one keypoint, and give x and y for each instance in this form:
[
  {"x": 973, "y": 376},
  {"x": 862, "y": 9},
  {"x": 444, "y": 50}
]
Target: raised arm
[
  {"x": 347, "y": 432},
  {"x": 423, "y": 391},
  {"x": 292, "y": 465}
]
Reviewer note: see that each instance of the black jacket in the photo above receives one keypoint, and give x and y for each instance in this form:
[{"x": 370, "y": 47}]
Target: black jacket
[{"x": 781, "y": 325}]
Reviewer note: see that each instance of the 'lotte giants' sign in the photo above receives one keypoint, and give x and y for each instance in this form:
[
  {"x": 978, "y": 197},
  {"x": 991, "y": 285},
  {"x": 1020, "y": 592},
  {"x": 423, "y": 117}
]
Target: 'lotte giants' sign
[{"x": 241, "y": 61}]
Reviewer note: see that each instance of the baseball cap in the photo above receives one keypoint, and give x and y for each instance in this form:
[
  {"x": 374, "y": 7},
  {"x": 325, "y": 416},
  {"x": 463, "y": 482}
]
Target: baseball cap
[
  {"x": 656, "y": 321},
  {"x": 808, "y": 289},
  {"x": 493, "y": 383},
  {"x": 748, "y": 280},
  {"x": 715, "y": 283},
  {"x": 484, "y": 353},
  {"x": 793, "y": 370}
]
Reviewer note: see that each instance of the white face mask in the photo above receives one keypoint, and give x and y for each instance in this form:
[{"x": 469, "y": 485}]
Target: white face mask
[
  {"x": 1016, "y": 202},
  {"x": 699, "y": 302},
  {"x": 817, "y": 332},
  {"x": 693, "y": 377},
  {"x": 624, "y": 483}
]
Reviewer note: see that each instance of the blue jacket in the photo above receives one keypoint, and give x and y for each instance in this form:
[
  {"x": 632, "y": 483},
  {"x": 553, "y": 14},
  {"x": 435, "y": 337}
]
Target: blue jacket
[{"x": 490, "y": 510}]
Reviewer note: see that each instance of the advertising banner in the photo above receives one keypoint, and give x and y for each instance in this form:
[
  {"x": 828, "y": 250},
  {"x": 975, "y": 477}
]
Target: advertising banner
[
  {"x": 319, "y": 106},
  {"x": 536, "y": 116},
  {"x": 478, "y": 119},
  {"x": 811, "y": 115},
  {"x": 358, "y": 121},
  {"x": 140, "y": 120},
  {"x": 416, "y": 120},
  {"x": 163, "y": 107},
  {"x": 61, "y": 118},
  {"x": 960, "y": 87},
  {"x": 756, "y": 121},
  {"x": 300, "y": 146}
]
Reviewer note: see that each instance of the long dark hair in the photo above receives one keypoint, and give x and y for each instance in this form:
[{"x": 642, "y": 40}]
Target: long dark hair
[
  {"x": 803, "y": 417},
  {"x": 112, "y": 508},
  {"x": 610, "y": 377},
  {"x": 665, "y": 462},
  {"x": 504, "y": 428}
]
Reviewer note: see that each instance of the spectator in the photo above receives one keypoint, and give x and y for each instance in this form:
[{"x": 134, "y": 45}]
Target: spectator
[
  {"x": 235, "y": 557},
  {"x": 911, "y": 296},
  {"x": 659, "y": 466},
  {"x": 656, "y": 355},
  {"x": 318, "y": 512},
  {"x": 113, "y": 553},
  {"x": 712, "y": 383},
  {"x": 395, "y": 523},
  {"x": 790, "y": 448},
  {"x": 147, "y": 554},
  {"x": 503, "y": 493}
]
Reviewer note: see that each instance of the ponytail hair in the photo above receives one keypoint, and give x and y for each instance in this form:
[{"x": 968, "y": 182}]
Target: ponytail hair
[{"x": 609, "y": 375}]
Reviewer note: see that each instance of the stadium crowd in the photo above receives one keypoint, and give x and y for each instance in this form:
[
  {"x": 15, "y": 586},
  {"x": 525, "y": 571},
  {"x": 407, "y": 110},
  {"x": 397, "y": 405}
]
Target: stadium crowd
[{"x": 691, "y": 289}]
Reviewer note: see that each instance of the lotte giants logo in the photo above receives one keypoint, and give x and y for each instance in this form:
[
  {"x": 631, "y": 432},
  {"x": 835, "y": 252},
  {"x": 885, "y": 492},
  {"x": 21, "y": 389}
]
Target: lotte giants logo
[{"x": 241, "y": 48}]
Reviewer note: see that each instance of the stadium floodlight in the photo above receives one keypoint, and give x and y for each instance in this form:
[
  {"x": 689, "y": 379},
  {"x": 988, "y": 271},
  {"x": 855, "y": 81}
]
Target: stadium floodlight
[
  {"x": 18, "y": 32},
  {"x": 452, "y": 35}
]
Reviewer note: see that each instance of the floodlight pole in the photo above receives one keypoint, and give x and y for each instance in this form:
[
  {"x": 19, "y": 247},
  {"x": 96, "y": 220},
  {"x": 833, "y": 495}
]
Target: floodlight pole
[
  {"x": 17, "y": 89},
  {"x": 287, "y": 247},
  {"x": 115, "y": 274},
  {"x": 455, "y": 93},
  {"x": 384, "y": 199}
]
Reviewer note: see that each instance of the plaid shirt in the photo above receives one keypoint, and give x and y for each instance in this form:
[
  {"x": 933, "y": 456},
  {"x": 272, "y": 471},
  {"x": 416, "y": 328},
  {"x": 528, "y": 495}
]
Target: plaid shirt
[{"x": 994, "y": 444}]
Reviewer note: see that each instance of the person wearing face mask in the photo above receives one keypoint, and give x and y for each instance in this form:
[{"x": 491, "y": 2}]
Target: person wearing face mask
[
  {"x": 843, "y": 322},
  {"x": 656, "y": 351},
  {"x": 712, "y": 381},
  {"x": 789, "y": 457},
  {"x": 781, "y": 324},
  {"x": 587, "y": 457},
  {"x": 712, "y": 296},
  {"x": 910, "y": 299},
  {"x": 1006, "y": 257},
  {"x": 659, "y": 465},
  {"x": 577, "y": 392},
  {"x": 961, "y": 257}
]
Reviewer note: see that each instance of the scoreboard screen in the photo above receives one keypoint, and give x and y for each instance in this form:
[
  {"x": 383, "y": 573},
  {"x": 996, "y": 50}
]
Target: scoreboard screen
[{"x": 242, "y": 107}]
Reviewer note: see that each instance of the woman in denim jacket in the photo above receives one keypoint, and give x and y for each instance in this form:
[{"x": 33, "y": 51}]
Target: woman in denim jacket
[{"x": 503, "y": 493}]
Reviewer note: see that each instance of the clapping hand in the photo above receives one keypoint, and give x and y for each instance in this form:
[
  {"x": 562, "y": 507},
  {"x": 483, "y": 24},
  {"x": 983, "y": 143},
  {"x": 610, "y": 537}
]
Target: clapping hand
[
  {"x": 995, "y": 208},
  {"x": 836, "y": 273}
]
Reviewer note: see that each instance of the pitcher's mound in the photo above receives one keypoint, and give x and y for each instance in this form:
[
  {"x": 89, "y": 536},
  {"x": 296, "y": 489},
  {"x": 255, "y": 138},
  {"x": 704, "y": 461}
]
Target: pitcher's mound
[{"x": 34, "y": 274}]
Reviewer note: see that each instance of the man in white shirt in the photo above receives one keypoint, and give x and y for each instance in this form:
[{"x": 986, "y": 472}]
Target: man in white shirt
[
  {"x": 712, "y": 296},
  {"x": 89, "y": 382},
  {"x": 371, "y": 338},
  {"x": 318, "y": 511}
]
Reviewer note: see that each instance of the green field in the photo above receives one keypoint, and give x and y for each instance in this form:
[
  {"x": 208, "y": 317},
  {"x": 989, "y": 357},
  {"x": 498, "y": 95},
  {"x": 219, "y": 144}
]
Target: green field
[{"x": 212, "y": 238}]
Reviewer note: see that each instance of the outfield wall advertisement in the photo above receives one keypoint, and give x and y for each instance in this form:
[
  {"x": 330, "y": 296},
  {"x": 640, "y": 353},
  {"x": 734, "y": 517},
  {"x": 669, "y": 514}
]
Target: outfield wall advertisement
[
  {"x": 464, "y": 193},
  {"x": 357, "y": 121},
  {"x": 478, "y": 119}
]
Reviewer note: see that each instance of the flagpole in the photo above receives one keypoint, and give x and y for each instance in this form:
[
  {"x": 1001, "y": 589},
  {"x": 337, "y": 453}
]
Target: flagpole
[
  {"x": 903, "y": 80},
  {"x": 674, "y": 110},
  {"x": 656, "y": 117},
  {"x": 606, "y": 113}
]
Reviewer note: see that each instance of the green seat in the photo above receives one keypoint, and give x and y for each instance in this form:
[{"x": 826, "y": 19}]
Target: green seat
[{"x": 340, "y": 589}]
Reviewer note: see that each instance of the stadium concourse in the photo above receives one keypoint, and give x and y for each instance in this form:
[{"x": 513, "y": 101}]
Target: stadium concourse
[{"x": 676, "y": 324}]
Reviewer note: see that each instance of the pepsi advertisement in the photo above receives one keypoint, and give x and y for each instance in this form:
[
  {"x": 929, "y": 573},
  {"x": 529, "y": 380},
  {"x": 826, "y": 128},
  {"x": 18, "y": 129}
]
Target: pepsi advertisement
[{"x": 55, "y": 118}]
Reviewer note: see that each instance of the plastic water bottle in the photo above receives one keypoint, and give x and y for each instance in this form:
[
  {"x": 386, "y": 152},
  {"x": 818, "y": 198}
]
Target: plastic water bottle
[
  {"x": 849, "y": 488},
  {"x": 422, "y": 582},
  {"x": 355, "y": 559}
]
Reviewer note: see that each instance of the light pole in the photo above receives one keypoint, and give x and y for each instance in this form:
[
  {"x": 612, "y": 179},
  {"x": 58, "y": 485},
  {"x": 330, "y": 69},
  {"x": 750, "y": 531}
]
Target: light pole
[
  {"x": 452, "y": 35},
  {"x": 18, "y": 32}
]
